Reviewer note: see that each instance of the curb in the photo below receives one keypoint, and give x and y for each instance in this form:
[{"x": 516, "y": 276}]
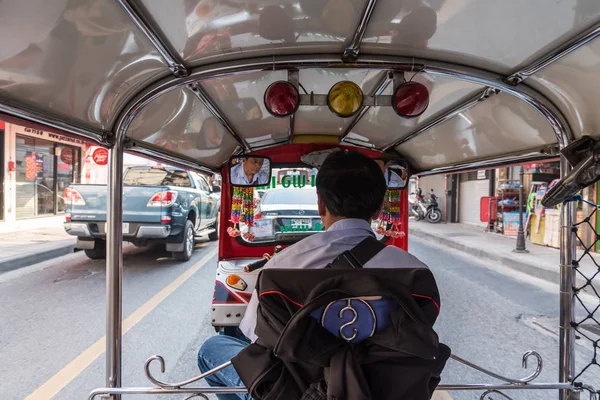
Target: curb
[
  {"x": 550, "y": 276},
  {"x": 30, "y": 259}
]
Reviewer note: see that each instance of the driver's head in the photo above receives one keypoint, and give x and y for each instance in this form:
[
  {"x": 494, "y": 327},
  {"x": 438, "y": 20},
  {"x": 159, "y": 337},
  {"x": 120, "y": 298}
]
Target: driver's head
[
  {"x": 252, "y": 165},
  {"x": 349, "y": 185}
]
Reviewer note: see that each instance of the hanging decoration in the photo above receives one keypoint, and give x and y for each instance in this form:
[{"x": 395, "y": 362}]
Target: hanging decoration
[
  {"x": 242, "y": 211},
  {"x": 389, "y": 218}
]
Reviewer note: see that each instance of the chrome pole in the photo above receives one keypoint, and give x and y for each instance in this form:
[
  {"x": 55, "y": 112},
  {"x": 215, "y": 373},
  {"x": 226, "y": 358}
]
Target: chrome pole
[
  {"x": 114, "y": 266},
  {"x": 567, "y": 301}
]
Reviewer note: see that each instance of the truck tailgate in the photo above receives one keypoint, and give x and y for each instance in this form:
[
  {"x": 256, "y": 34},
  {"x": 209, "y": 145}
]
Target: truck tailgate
[{"x": 135, "y": 200}]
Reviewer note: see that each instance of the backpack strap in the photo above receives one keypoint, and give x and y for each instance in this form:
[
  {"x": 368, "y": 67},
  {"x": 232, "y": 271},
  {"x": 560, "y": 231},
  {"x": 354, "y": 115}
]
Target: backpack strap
[{"x": 359, "y": 255}]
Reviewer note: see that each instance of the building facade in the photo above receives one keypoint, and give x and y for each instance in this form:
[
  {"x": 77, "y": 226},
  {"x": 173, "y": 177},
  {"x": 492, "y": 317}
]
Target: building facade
[{"x": 35, "y": 168}]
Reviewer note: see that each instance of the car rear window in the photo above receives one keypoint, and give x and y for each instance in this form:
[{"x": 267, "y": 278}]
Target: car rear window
[
  {"x": 290, "y": 196},
  {"x": 156, "y": 177}
]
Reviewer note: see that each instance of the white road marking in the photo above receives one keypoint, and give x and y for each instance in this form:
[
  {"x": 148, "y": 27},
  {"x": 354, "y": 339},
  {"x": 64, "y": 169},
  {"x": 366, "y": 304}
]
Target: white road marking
[{"x": 63, "y": 377}]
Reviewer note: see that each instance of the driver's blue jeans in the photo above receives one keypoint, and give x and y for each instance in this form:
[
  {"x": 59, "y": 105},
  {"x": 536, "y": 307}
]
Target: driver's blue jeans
[{"x": 216, "y": 351}]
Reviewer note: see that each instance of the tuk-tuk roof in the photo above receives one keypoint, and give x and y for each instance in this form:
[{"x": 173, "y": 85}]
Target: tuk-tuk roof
[{"x": 185, "y": 79}]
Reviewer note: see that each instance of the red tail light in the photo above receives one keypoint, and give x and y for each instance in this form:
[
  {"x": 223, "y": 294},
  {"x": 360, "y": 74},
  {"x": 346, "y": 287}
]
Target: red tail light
[
  {"x": 67, "y": 217},
  {"x": 165, "y": 218},
  {"x": 163, "y": 199},
  {"x": 258, "y": 215},
  {"x": 73, "y": 197}
]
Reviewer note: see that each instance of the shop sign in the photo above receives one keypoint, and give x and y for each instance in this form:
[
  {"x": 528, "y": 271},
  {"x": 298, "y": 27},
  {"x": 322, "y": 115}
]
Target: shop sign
[
  {"x": 52, "y": 136},
  {"x": 66, "y": 155},
  {"x": 100, "y": 156},
  {"x": 480, "y": 174}
]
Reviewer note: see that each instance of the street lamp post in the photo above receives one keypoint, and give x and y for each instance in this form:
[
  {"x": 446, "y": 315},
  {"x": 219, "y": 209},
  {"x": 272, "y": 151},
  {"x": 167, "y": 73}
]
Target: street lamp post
[{"x": 521, "y": 233}]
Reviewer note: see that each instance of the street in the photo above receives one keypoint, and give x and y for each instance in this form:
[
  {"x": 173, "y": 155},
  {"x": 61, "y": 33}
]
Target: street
[{"x": 52, "y": 321}]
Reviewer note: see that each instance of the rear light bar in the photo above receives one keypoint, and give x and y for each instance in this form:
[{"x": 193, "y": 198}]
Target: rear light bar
[
  {"x": 163, "y": 199},
  {"x": 73, "y": 197}
]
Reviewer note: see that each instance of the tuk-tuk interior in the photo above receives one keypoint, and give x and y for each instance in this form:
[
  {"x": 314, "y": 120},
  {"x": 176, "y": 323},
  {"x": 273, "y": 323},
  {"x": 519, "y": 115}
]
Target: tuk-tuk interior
[{"x": 449, "y": 85}]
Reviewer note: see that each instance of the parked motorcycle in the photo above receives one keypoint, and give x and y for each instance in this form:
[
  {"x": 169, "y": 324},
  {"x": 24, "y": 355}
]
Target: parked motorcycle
[
  {"x": 433, "y": 213},
  {"x": 416, "y": 207}
]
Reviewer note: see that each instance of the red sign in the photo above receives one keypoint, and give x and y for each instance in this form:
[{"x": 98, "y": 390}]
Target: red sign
[
  {"x": 66, "y": 155},
  {"x": 100, "y": 156}
]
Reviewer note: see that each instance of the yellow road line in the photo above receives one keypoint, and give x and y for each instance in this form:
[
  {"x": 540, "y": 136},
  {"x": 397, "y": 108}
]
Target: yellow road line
[{"x": 63, "y": 377}]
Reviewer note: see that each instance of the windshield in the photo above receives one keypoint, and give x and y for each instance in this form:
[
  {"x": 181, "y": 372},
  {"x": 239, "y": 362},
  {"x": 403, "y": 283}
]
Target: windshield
[
  {"x": 286, "y": 211},
  {"x": 156, "y": 177}
]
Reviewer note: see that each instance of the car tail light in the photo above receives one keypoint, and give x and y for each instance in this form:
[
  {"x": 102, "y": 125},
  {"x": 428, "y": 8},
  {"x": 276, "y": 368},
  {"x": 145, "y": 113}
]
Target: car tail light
[
  {"x": 258, "y": 215},
  {"x": 67, "y": 217},
  {"x": 165, "y": 218},
  {"x": 73, "y": 197},
  {"x": 163, "y": 199}
]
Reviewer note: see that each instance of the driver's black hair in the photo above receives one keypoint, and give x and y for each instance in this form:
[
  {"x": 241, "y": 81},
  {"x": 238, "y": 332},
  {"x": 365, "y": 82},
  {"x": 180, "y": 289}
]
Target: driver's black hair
[{"x": 351, "y": 185}]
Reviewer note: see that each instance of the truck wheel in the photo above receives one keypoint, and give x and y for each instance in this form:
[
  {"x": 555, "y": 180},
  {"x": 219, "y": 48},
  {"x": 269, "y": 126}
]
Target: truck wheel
[
  {"x": 99, "y": 250},
  {"x": 188, "y": 243},
  {"x": 215, "y": 235}
]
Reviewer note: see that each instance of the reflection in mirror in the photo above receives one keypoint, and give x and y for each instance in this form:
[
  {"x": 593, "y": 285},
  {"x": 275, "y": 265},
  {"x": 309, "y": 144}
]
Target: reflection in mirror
[
  {"x": 395, "y": 173},
  {"x": 249, "y": 171}
]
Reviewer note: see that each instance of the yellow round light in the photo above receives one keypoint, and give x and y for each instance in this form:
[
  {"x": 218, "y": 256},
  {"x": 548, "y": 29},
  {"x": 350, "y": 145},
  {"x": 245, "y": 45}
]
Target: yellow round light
[{"x": 345, "y": 99}]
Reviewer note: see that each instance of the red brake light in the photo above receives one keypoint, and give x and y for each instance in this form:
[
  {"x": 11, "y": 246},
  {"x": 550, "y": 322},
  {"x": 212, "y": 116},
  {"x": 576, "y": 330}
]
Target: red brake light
[
  {"x": 73, "y": 197},
  {"x": 282, "y": 99},
  {"x": 163, "y": 199},
  {"x": 410, "y": 99},
  {"x": 67, "y": 217}
]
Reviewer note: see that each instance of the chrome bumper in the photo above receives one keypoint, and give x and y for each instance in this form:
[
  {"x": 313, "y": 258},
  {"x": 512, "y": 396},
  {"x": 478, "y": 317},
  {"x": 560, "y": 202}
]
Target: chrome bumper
[
  {"x": 153, "y": 232},
  {"x": 82, "y": 230},
  {"x": 76, "y": 229}
]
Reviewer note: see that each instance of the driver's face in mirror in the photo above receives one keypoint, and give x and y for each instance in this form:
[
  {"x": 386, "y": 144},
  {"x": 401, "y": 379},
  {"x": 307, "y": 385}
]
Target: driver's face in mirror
[
  {"x": 252, "y": 165},
  {"x": 250, "y": 171}
]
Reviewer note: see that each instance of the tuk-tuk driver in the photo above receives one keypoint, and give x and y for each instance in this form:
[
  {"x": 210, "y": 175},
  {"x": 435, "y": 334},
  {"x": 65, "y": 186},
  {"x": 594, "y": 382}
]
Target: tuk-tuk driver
[
  {"x": 350, "y": 193},
  {"x": 249, "y": 171}
]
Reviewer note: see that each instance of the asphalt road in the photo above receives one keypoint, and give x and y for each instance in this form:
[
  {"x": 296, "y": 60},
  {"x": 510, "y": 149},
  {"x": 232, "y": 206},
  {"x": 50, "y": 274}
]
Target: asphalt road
[{"x": 52, "y": 321}]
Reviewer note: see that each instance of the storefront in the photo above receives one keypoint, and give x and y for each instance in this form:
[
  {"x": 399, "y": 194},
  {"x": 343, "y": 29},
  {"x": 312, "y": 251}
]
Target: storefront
[
  {"x": 472, "y": 187},
  {"x": 37, "y": 166}
]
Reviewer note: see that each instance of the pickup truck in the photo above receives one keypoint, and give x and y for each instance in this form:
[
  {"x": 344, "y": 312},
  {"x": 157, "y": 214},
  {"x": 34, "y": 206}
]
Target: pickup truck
[{"x": 160, "y": 205}]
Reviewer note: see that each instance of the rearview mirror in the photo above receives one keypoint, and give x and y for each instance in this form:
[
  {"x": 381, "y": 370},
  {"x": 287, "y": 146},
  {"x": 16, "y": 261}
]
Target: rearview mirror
[
  {"x": 250, "y": 171},
  {"x": 395, "y": 173}
]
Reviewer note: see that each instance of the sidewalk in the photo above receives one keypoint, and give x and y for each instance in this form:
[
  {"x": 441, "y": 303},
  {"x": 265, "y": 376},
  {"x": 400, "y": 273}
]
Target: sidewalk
[
  {"x": 21, "y": 249},
  {"x": 541, "y": 261}
]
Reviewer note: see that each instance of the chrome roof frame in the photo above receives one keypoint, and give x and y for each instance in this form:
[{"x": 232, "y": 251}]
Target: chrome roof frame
[
  {"x": 352, "y": 51},
  {"x": 147, "y": 27},
  {"x": 488, "y": 79},
  {"x": 493, "y": 82},
  {"x": 197, "y": 89}
]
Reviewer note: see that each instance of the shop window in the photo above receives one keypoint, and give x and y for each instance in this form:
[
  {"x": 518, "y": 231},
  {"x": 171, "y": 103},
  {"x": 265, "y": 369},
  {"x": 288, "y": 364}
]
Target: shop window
[
  {"x": 44, "y": 169},
  {"x": 67, "y": 172}
]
